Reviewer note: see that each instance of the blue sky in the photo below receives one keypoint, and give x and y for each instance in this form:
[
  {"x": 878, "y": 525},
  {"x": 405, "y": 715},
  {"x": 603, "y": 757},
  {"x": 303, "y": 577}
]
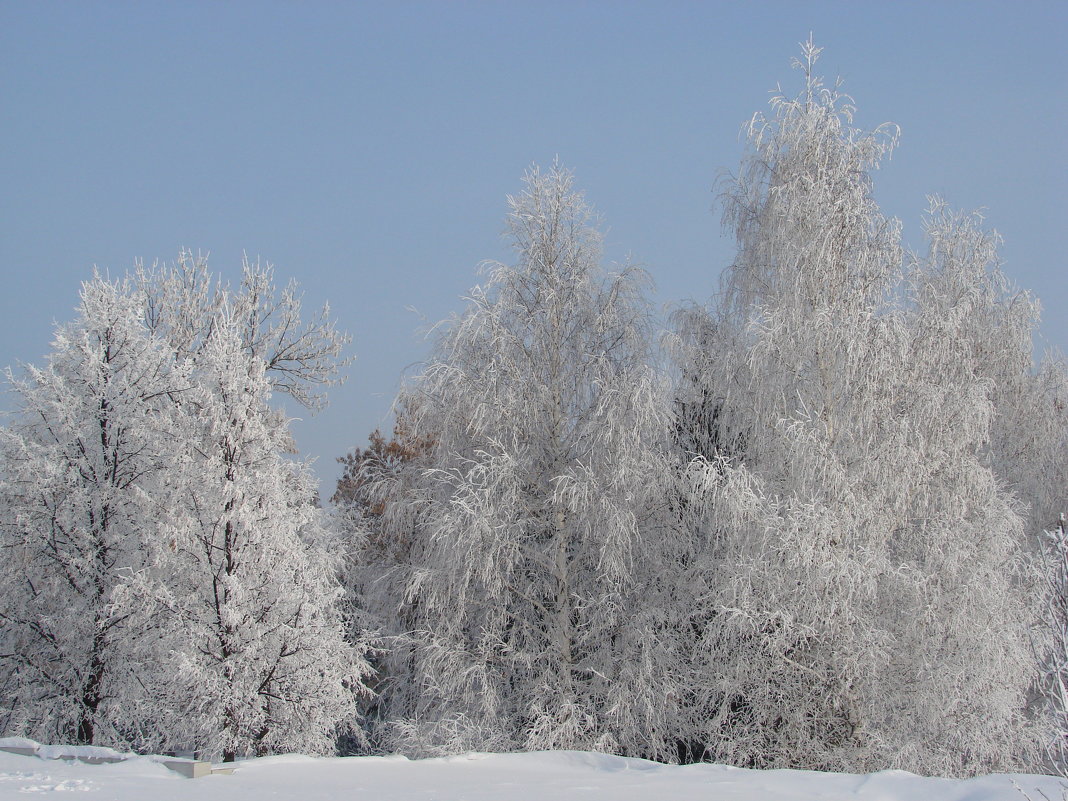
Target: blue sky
[{"x": 366, "y": 149}]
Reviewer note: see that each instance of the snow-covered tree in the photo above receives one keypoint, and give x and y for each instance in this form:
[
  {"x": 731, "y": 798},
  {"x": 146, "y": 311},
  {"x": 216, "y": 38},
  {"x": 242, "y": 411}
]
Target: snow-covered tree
[
  {"x": 962, "y": 544},
  {"x": 258, "y": 553},
  {"x": 535, "y": 590},
  {"x": 253, "y": 631},
  {"x": 169, "y": 580},
  {"x": 972, "y": 324},
  {"x": 81, "y": 465},
  {"x": 863, "y": 604}
]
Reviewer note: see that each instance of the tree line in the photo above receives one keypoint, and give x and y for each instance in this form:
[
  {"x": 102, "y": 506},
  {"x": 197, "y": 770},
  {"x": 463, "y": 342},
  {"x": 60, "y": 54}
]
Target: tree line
[{"x": 803, "y": 528}]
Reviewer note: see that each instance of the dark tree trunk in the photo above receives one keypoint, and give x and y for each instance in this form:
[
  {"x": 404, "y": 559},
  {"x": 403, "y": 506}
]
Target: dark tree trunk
[{"x": 90, "y": 702}]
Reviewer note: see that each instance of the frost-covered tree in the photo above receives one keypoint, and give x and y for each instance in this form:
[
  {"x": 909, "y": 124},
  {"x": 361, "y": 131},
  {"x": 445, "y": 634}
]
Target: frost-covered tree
[
  {"x": 168, "y": 579},
  {"x": 536, "y": 588},
  {"x": 81, "y": 466},
  {"x": 962, "y": 543},
  {"x": 258, "y": 553},
  {"x": 255, "y": 568},
  {"x": 863, "y": 604},
  {"x": 971, "y": 323},
  {"x": 253, "y": 630}
]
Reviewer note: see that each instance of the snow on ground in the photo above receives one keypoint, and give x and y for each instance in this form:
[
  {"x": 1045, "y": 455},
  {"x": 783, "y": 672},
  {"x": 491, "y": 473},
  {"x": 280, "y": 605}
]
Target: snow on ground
[{"x": 543, "y": 776}]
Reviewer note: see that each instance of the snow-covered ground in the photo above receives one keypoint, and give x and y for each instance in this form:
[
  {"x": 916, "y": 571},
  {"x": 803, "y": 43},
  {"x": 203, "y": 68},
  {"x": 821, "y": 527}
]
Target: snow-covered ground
[{"x": 545, "y": 776}]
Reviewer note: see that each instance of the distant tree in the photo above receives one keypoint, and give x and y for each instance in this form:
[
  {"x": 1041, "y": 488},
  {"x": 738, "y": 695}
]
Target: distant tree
[
  {"x": 370, "y": 504},
  {"x": 537, "y": 593},
  {"x": 349, "y": 485},
  {"x": 82, "y": 465},
  {"x": 864, "y": 602},
  {"x": 373, "y": 513},
  {"x": 366, "y": 466}
]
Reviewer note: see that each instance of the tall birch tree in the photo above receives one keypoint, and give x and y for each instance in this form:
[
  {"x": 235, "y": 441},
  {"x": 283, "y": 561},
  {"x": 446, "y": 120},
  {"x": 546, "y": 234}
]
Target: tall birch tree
[
  {"x": 537, "y": 519},
  {"x": 863, "y": 605}
]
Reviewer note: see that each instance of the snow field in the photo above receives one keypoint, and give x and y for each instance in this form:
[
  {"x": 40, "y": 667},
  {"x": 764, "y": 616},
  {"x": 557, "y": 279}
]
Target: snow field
[{"x": 553, "y": 775}]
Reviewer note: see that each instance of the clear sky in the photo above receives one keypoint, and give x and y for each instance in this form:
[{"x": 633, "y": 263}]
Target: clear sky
[{"x": 366, "y": 149}]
